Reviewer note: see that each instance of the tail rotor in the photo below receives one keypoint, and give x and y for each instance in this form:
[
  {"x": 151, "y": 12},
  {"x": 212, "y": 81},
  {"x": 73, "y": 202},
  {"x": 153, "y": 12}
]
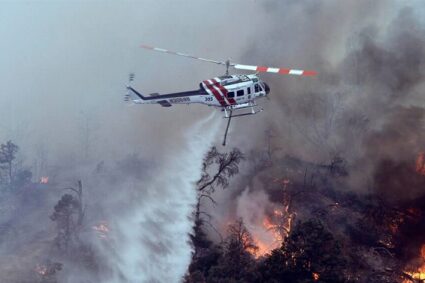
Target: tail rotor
[{"x": 130, "y": 80}]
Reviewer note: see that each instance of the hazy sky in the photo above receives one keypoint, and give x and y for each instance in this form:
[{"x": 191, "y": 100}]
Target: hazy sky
[
  {"x": 62, "y": 62},
  {"x": 66, "y": 62}
]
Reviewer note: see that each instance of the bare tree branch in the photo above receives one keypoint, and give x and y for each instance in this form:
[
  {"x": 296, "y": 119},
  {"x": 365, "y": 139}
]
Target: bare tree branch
[{"x": 227, "y": 167}]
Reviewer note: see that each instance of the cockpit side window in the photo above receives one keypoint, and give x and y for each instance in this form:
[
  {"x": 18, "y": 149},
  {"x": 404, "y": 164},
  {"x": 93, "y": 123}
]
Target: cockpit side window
[{"x": 256, "y": 88}]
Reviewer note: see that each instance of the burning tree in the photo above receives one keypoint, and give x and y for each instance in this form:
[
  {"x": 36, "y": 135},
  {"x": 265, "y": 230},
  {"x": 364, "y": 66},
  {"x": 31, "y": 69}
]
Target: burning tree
[{"x": 239, "y": 238}]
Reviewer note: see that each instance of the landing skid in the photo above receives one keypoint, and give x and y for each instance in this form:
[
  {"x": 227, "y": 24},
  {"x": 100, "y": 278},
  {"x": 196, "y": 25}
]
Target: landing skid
[{"x": 228, "y": 114}]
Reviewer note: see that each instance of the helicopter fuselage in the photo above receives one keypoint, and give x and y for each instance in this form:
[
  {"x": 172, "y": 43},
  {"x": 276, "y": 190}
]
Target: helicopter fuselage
[{"x": 228, "y": 91}]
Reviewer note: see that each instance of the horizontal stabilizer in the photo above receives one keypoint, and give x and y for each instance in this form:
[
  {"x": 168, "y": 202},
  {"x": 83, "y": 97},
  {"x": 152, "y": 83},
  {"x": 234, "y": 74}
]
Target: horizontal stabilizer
[{"x": 164, "y": 103}]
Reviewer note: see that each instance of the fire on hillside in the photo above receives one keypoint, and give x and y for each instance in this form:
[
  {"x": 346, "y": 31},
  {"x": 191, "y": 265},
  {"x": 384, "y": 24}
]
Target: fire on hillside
[{"x": 381, "y": 239}]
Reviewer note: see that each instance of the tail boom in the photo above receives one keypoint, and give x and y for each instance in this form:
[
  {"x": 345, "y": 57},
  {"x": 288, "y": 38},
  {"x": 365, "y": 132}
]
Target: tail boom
[{"x": 166, "y": 100}]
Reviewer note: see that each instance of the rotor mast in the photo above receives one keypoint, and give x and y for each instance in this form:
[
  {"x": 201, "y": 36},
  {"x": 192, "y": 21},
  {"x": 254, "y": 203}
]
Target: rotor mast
[{"x": 227, "y": 66}]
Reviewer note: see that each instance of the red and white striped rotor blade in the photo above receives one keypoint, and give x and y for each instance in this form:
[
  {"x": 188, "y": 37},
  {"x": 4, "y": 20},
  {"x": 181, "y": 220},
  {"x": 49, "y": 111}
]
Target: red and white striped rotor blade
[
  {"x": 281, "y": 71},
  {"x": 181, "y": 54}
]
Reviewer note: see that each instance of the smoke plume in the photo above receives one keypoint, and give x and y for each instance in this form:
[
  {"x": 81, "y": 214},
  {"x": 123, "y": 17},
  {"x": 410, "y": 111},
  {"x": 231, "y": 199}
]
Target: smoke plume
[{"x": 364, "y": 108}]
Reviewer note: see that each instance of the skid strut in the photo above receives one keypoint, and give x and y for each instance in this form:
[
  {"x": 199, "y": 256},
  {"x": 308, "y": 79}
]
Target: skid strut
[{"x": 228, "y": 114}]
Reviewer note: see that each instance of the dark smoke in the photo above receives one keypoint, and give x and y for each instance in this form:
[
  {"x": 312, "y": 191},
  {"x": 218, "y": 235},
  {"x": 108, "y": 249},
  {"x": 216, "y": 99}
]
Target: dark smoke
[{"x": 364, "y": 108}]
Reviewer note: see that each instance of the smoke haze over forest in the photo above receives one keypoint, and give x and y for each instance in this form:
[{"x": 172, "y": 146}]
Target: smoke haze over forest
[{"x": 64, "y": 66}]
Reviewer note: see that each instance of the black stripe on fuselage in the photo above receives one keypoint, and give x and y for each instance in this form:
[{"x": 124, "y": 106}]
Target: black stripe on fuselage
[{"x": 171, "y": 95}]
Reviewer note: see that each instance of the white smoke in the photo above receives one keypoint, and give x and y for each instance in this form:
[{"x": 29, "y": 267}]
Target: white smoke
[{"x": 152, "y": 236}]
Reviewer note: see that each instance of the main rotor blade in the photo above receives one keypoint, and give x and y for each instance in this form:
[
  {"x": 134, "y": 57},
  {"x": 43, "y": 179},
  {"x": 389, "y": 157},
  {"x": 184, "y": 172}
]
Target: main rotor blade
[
  {"x": 182, "y": 54},
  {"x": 281, "y": 71}
]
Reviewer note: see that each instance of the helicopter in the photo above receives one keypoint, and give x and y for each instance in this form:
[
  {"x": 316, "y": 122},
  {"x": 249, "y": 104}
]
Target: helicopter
[{"x": 230, "y": 93}]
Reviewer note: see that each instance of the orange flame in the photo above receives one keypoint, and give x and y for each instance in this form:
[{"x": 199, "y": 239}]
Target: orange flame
[
  {"x": 262, "y": 250},
  {"x": 316, "y": 276},
  {"x": 275, "y": 228},
  {"x": 419, "y": 274},
  {"x": 270, "y": 232},
  {"x": 420, "y": 163}
]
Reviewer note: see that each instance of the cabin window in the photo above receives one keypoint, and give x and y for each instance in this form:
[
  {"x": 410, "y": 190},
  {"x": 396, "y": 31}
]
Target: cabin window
[
  {"x": 257, "y": 89},
  {"x": 248, "y": 90},
  {"x": 240, "y": 92},
  {"x": 231, "y": 94}
]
